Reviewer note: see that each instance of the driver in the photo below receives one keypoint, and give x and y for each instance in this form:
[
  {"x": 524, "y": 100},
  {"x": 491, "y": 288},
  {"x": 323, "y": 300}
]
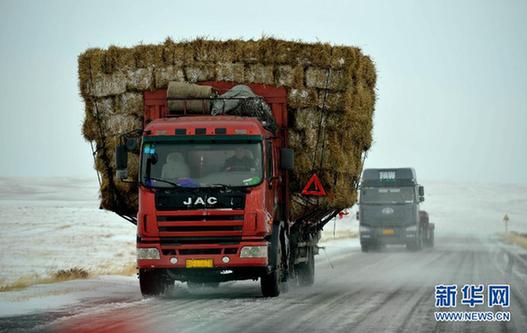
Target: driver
[{"x": 240, "y": 161}]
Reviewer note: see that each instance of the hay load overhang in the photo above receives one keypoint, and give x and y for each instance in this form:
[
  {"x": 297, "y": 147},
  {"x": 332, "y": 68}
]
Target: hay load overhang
[{"x": 331, "y": 97}]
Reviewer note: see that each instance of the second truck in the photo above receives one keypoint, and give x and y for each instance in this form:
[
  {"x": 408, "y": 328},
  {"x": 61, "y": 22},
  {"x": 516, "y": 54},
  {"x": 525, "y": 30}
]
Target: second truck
[{"x": 389, "y": 210}]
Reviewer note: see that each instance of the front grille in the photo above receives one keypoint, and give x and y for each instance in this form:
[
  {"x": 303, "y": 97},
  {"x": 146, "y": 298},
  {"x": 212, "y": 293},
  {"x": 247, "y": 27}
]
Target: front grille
[
  {"x": 201, "y": 228},
  {"x": 199, "y": 251},
  {"x": 174, "y": 252},
  {"x": 187, "y": 218},
  {"x": 167, "y": 241}
]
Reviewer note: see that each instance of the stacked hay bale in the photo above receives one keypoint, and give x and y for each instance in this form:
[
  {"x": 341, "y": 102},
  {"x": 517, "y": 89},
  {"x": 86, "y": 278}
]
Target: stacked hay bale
[{"x": 330, "y": 99}]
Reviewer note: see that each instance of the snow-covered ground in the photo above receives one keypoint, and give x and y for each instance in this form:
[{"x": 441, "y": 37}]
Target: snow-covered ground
[
  {"x": 466, "y": 208},
  {"x": 53, "y": 224}
]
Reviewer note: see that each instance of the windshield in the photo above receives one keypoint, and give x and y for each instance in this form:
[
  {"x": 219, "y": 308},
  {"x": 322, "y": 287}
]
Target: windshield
[
  {"x": 387, "y": 195},
  {"x": 169, "y": 164}
]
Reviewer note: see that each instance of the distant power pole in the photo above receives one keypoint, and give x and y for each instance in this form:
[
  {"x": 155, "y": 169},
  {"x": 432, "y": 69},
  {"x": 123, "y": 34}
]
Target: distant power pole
[{"x": 506, "y": 221}]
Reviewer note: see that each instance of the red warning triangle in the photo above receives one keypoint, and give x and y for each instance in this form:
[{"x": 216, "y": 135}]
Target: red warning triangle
[{"x": 314, "y": 187}]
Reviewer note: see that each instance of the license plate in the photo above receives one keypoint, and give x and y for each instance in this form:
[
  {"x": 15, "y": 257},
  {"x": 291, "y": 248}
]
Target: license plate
[
  {"x": 199, "y": 263},
  {"x": 388, "y": 232}
]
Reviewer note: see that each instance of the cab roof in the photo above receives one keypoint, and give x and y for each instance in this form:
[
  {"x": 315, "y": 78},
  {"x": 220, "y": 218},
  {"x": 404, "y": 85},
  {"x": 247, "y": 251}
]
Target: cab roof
[
  {"x": 205, "y": 125},
  {"x": 389, "y": 176}
]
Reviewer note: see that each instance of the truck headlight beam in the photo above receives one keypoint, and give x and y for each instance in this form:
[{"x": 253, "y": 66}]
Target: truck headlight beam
[
  {"x": 147, "y": 253},
  {"x": 412, "y": 228},
  {"x": 253, "y": 252},
  {"x": 364, "y": 229}
]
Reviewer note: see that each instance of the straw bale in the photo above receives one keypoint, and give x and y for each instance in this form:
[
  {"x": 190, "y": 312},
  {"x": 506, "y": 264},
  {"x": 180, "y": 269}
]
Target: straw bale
[
  {"x": 109, "y": 84},
  {"x": 231, "y": 72},
  {"x": 259, "y": 73},
  {"x": 140, "y": 79},
  {"x": 317, "y": 77},
  {"x": 200, "y": 73},
  {"x": 121, "y": 123},
  {"x": 301, "y": 98},
  {"x": 103, "y": 106},
  {"x": 112, "y": 83},
  {"x": 147, "y": 55},
  {"x": 132, "y": 103},
  {"x": 284, "y": 75},
  {"x": 166, "y": 74}
]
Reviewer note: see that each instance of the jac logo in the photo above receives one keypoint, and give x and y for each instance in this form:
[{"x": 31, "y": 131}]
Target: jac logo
[{"x": 200, "y": 201}]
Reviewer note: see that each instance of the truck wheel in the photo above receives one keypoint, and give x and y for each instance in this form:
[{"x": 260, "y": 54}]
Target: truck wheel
[
  {"x": 364, "y": 247},
  {"x": 416, "y": 244},
  {"x": 431, "y": 240},
  {"x": 306, "y": 270},
  {"x": 153, "y": 282},
  {"x": 270, "y": 283}
]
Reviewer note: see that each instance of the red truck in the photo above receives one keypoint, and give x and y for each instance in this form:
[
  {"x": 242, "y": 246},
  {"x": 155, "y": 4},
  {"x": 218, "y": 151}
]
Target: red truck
[{"x": 214, "y": 197}]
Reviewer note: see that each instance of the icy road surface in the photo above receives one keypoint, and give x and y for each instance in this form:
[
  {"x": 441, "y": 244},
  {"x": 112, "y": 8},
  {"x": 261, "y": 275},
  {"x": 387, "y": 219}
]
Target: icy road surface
[{"x": 389, "y": 291}]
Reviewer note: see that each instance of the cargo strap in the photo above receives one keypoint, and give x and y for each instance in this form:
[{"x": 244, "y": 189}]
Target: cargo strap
[
  {"x": 102, "y": 146},
  {"x": 321, "y": 130},
  {"x": 94, "y": 152}
]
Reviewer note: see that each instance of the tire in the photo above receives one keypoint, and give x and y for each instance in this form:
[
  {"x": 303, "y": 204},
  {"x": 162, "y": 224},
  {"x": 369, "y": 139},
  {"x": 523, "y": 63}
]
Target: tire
[
  {"x": 417, "y": 244},
  {"x": 153, "y": 282},
  {"x": 371, "y": 246},
  {"x": 270, "y": 283},
  {"x": 306, "y": 270},
  {"x": 364, "y": 247},
  {"x": 431, "y": 240}
]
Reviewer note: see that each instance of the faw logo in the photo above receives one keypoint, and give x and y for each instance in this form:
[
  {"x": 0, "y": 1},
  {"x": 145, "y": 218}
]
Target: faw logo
[
  {"x": 200, "y": 201},
  {"x": 387, "y": 210}
]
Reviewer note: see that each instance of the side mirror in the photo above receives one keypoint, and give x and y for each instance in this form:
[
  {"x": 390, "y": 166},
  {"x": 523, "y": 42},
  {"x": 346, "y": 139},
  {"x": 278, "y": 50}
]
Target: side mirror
[
  {"x": 121, "y": 161},
  {"x": 421, "y": 194},
  {"x": 287, "y": 157}
]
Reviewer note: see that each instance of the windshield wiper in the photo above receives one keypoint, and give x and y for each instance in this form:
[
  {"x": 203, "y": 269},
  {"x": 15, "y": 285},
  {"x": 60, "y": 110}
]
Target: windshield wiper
[
  {"x": 165, "y": 181},
  {"x": 223, "y": 186}
]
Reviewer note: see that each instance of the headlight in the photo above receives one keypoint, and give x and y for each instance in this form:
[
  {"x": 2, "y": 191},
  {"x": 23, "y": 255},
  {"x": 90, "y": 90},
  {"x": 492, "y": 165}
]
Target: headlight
[
  {"x": 147, "y": 253},
  {"x": 253, "y": 252},
  {"x": 412, "y": 228},
  {"x": 364, "y": 229}
]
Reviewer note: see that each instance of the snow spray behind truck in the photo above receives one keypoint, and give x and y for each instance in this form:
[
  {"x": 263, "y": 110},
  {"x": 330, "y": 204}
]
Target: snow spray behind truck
[{"x": 212, "y": 185}]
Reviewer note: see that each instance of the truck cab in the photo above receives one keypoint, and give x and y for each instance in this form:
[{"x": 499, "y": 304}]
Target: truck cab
[
  {"x": 389, "y": 210},
  {"x": 213, "y": 195}
]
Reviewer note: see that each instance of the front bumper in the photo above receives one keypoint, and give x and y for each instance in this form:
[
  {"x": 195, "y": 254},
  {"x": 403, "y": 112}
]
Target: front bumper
[
  {"x": 388, "y": 235},
  {"x": 216, "y": 252}
]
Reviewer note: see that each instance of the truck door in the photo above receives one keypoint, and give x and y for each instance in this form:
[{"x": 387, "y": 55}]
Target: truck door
[{"x": 272, "y": 188}]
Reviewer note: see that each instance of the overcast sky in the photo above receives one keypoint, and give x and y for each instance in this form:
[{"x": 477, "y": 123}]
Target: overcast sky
[{"x": 452, "y": 75}]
